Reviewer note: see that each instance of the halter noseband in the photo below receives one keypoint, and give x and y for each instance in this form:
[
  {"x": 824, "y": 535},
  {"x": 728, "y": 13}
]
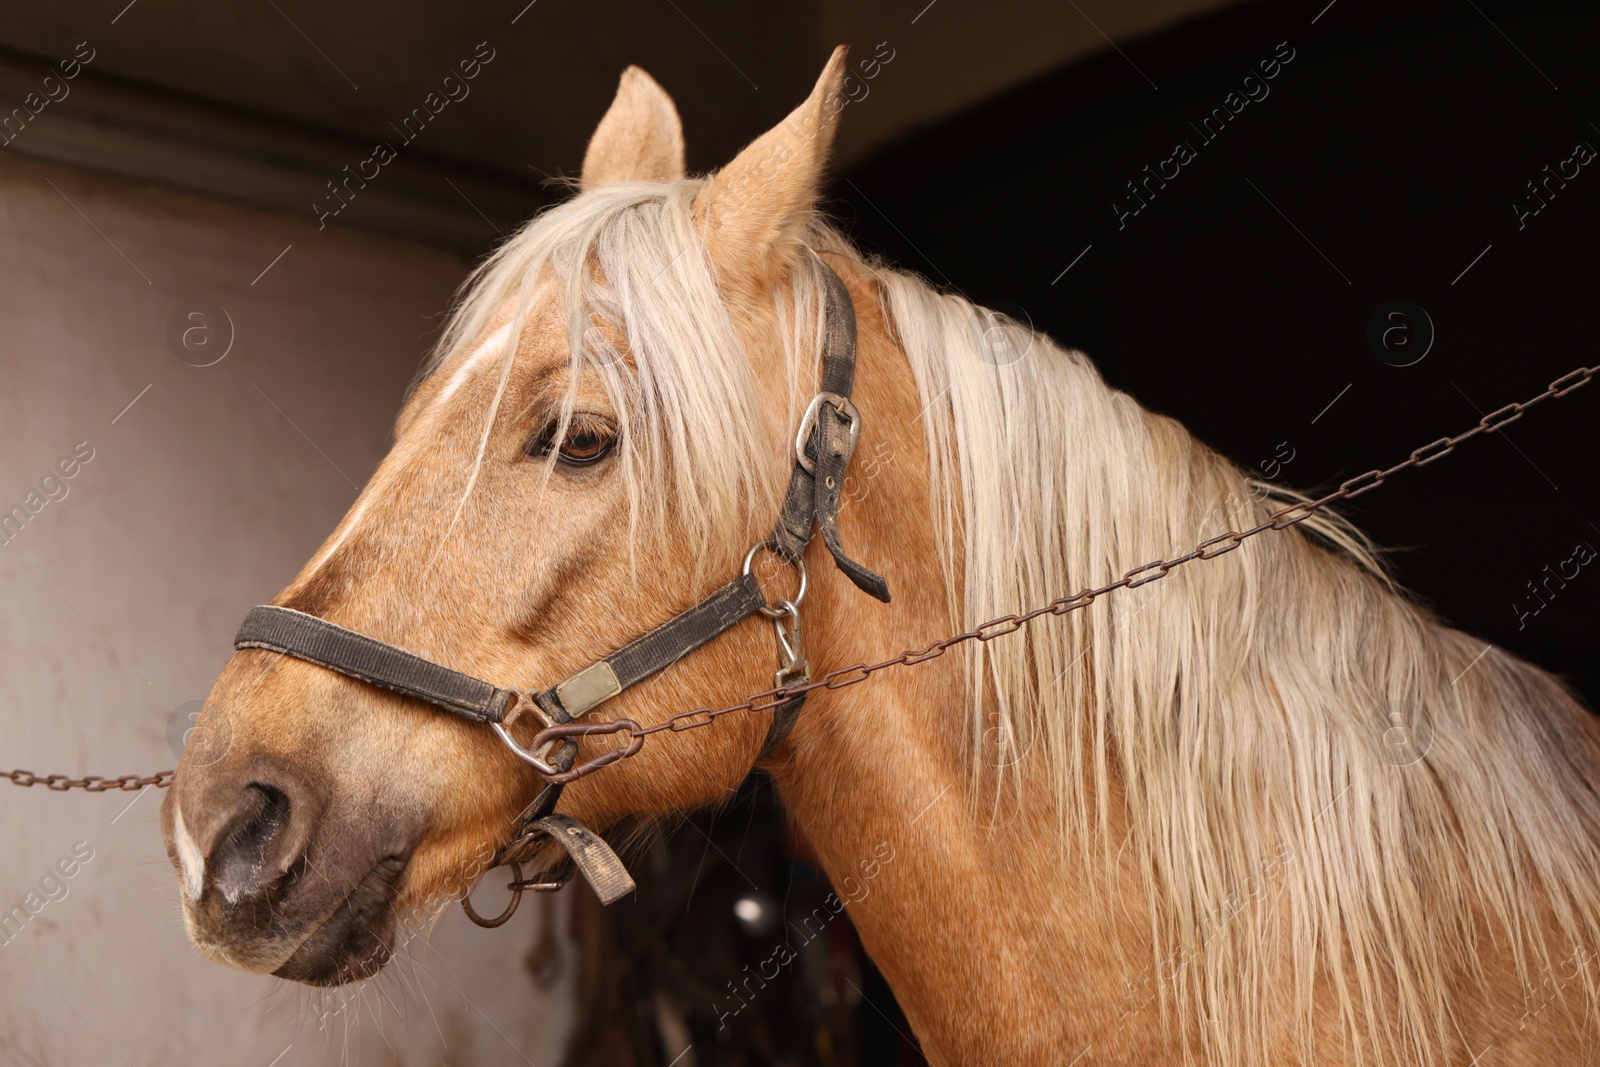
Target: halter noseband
[{"x": 825, "y": 440}]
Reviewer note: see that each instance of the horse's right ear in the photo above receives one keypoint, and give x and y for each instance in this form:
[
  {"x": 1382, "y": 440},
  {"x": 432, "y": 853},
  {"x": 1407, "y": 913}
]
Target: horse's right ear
[
  {"x": 753, "y": 211},
  {"x": 639, "y": 140}
]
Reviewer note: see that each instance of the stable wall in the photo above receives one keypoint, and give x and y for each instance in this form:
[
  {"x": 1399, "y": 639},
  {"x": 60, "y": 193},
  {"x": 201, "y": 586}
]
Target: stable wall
[{"x": 123, "y": 584}]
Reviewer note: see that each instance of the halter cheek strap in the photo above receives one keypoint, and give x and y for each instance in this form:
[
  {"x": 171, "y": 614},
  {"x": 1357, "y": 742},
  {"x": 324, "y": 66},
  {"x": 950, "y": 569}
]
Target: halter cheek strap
[
  {"x": 823, "y": 446},
  {"x": 827, "y": 438}
]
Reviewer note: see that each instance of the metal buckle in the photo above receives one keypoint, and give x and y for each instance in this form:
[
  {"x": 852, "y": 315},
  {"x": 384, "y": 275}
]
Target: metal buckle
[{"x": 808, "y": 422}]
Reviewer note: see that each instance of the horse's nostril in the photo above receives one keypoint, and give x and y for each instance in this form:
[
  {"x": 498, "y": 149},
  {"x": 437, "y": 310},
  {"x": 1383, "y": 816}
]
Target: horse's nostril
[{"x": 250, "y": 857}]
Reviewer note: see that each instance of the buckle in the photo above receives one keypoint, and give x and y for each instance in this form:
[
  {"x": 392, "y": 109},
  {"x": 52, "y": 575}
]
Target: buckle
[{"x": 808, "y": 423}]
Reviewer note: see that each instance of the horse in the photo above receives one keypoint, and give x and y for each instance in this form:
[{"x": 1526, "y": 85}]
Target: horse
[{"x": 1177, "y": 825}]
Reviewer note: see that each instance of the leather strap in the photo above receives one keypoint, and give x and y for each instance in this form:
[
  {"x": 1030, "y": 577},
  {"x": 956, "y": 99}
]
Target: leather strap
[
  {"x": 784, "y": 716},
  {"x": 655, "y": 651},
  {"x": 600, "y": 866},
  {"x": 812, "y": 500},
  {"x": 834, "y": 447},
  {"x": 307, "y": 637},
  {"x": 294, "y": 633}
]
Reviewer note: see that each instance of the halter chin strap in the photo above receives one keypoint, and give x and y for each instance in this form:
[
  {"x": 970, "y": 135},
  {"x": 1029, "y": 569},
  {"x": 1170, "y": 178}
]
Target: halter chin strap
[{"x": 823, "y": 446}]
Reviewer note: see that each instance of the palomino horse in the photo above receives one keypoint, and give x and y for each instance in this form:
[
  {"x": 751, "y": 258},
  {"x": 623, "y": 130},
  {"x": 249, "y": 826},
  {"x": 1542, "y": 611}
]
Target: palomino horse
[{"x": 1177, "y": 824}]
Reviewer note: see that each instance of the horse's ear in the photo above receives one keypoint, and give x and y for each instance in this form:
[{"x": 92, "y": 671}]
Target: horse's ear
[
  {"x": 754, "y": 209},
  {"x": 639, "y": 140}
]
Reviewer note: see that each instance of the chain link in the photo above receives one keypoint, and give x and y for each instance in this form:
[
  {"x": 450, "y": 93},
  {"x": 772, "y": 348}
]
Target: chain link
[
  {"x": 1153, "y": 571},
  {"x": 94, "y": 783},
  {"x": 854, "y": 674}
]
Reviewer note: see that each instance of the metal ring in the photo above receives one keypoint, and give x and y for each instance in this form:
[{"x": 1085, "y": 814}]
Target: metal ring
[
  {"x": 516, "y": 888},
  {"x": 798, "y": 563}
]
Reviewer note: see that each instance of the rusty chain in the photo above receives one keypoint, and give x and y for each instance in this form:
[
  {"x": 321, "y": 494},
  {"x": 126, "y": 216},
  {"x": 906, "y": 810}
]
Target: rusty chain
[
  {"x": 94, "y": 783},
  {"x": 1155, "y": 570},
  {"x": 842, "y": 677}
]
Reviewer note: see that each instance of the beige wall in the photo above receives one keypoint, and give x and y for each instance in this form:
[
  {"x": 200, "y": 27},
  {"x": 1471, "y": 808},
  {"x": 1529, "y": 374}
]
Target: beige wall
[
  {"x": 122, "y": 597},
  {"x": 532, "y": 109}
]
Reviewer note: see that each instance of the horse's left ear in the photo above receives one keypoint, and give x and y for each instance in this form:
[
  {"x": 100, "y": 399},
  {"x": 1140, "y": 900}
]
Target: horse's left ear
[
  {"x": 639, "y": 140},
  {"x": 755, "y": 209}
]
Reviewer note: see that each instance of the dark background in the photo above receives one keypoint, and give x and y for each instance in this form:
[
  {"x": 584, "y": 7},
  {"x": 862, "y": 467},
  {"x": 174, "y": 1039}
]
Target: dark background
[{"x": 1396, "y": 141}]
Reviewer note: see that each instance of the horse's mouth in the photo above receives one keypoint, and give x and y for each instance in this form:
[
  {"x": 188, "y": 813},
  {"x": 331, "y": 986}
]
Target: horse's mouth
[{"x": 356, "y": 940}]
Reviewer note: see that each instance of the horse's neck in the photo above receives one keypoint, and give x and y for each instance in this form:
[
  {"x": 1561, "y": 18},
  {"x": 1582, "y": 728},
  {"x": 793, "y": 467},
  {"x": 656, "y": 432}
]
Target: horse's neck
[
  {"x": 1002, "y": 949},
  {"x": 996, "y": 949},
  {"x": 972, "y": 916}
]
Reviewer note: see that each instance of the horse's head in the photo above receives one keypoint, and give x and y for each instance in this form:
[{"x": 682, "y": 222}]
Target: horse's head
[{"x": 607, "y": 427}]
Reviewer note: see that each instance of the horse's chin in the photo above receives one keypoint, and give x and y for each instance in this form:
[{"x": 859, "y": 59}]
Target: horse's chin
[
  {"x": 357, "y": 939},
  {"x": 352, "y": 942}
]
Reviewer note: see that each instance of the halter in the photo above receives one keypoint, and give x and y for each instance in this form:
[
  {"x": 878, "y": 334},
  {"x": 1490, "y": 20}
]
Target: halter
[{"x": 824, "y": 442}]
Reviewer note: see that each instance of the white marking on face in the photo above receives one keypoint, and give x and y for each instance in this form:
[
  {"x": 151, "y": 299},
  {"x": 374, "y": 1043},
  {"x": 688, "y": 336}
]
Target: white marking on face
[
  {"x": 491, "y": 347},
  {"x": 189, "y": 858}
]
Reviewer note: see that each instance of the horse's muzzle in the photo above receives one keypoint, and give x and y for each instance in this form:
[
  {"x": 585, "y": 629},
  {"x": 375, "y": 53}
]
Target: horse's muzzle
[
  {"x": 277, "y": 877},
  {"x": 357, "y": 939}
]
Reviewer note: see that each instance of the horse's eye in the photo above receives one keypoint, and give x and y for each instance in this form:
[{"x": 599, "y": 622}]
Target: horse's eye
[{"x": 586, "y": 441}]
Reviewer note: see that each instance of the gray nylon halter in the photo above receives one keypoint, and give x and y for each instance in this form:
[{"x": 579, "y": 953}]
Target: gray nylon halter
[{"x": 823, "y": 446}]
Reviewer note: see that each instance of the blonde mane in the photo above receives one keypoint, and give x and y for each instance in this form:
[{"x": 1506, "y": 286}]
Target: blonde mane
[
  {"x": 1240, "y": 709},
  {"x": 1232, "y": 716},
  {"x": 627, "y": 263}
]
